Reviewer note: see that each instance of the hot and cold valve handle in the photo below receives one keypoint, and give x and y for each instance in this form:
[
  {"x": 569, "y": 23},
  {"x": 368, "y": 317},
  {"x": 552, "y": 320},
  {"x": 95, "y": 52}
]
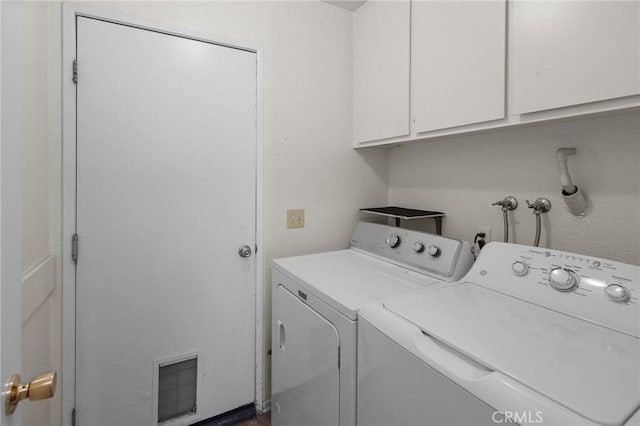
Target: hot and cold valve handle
[{"x": 541, "y": 205}]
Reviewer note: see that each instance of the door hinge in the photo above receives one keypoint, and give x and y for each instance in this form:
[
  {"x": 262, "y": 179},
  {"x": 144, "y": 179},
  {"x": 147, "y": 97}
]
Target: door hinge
[
  {"x": 75, "y": 71},
  {"x": 73, "y": 417},
  {"x": 74, "y": 248}
]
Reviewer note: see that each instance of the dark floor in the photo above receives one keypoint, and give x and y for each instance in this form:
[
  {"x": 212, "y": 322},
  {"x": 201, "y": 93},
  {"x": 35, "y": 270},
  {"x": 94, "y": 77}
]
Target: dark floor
[{"x": 260, "y": 420}]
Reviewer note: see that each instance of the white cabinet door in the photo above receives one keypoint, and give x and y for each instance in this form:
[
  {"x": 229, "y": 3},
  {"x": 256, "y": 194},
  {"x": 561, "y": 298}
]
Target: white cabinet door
[
  {"x": 458, "y": 63},
  {"x": 381, "y": 70},
  {"x": 306, "y": 382},
  {"x": 573, "y": 52}
]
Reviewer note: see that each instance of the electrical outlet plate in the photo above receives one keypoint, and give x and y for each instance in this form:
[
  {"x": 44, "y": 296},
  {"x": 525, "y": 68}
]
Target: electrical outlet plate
[
  {"x": 487, "y": 232},
  {"x": 295, "y": 218}
]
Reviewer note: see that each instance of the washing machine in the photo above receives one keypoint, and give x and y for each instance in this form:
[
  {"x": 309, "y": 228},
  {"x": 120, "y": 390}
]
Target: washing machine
[
  {"x": 316, "y": 299},
  {"x": 528, "y": 336}
]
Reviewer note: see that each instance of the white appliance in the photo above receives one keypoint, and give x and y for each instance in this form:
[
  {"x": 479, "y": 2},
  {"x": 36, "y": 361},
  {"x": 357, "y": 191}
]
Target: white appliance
[
  {"x": 529, "y": 336},
  {"x": 316, "y": 299}
]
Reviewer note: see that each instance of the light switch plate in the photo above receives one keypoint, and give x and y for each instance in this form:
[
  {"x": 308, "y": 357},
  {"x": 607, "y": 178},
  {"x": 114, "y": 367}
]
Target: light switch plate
[{"x": 295, "y": 218}]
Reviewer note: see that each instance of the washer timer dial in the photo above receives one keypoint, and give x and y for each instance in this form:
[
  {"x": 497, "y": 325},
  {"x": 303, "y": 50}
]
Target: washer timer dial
[
  {"x": 418, "y": 247},
  {"x": 563, "y": 279}
]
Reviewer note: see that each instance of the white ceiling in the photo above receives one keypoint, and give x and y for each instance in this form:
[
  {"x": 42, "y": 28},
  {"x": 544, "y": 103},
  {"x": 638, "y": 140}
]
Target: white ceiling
[{"x": 347, "y": 4}]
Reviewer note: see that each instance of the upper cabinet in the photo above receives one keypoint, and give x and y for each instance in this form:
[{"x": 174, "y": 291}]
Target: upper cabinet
[
  {"x": 432, "y": 68},
  {"x": 573, "y": 52},
  {"x": 381, "y": 70},
  {"x": 457, "y": 63}
]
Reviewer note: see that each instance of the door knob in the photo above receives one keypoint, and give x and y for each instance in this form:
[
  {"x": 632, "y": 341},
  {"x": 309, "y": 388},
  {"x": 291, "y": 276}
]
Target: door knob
[
  {"x": 244, "y": 251},
  {"x": 41, "y": 387}
]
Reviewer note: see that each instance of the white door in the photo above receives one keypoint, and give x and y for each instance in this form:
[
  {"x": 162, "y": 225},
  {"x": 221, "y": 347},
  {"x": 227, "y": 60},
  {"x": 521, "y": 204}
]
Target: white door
[
  {"x": 10, "y": 203},
  {"x": 166, "y": 195},
  {"x": 306, "y": 375},
  {"x": 12, "y": 121}
]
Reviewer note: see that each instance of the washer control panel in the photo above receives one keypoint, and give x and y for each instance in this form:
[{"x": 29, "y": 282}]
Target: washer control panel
[
  {"x": 435, "y": 255},
  {"x": 597, "y": 290}
]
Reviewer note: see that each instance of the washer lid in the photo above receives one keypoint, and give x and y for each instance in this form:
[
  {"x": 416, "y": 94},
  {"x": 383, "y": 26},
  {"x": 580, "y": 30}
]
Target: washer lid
[
  {"x": 589, "y": 369},
  {"x": 347, "y": 280}
]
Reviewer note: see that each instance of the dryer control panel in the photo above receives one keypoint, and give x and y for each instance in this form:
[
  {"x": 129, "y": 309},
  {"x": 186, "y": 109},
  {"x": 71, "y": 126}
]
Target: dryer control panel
[
  {"x": 435, "y": 255},
  {"x": 601, "y": 291}
]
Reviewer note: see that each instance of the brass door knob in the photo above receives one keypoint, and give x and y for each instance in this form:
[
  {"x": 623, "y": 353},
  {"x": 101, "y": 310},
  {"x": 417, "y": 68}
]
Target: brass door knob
[{"x": 41, "y": 387}]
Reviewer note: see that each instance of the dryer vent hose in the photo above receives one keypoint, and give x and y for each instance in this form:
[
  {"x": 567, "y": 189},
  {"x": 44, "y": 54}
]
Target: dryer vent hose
[
  {"x": 568, "y": 188},
  {"x": 571, "y": 194}
]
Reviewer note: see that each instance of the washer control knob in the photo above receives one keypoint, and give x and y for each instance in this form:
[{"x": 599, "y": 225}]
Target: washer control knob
[
  {"x": 418, "y": 247},
  {"x": 434, "y": 251},
  {"x": 563, "y": 279},
  {"x": 618, "y": 293},
  {"x": 520, "y": 268},
  {"x": 393, "y": 240}
]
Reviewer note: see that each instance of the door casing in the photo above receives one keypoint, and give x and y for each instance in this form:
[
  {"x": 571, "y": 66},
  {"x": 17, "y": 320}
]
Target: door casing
[{"x": 69, "y": 13}]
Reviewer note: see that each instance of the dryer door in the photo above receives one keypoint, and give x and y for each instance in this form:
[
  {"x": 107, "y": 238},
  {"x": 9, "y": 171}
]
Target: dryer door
[{"x": 305, "y": 365}]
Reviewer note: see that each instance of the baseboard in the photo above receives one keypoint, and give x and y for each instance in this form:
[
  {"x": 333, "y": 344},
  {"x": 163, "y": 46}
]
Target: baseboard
[
  {"x": 230, "y": 418},
  {"x": 266, "y": 406}
]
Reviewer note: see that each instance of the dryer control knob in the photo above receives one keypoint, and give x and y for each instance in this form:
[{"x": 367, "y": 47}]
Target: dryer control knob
[
  {"x": 393, "y": 240},
  {"x": 434, "y": 251},
  {"x": 618, "y": 293},
  {"x": 520, "y": 268},
  {"x": 563, "y": 279},
  {"x": 418, "y": 247}
]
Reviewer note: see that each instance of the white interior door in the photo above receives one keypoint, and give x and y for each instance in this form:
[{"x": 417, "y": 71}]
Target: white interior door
[
  {"x": 11, "y": 120},
  {"x": 166, "y": 194}
]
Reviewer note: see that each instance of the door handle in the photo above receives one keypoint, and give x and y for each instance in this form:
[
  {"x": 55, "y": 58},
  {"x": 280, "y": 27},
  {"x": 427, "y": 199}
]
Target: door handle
[
  {"x": 41, "y": 387},
  {"x": 244, "y": 251},
  {"x": 281, "y": 335}
]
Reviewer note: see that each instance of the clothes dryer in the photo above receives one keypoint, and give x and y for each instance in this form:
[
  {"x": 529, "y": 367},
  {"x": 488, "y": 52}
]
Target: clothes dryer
[{"x": 316, "y": 299}]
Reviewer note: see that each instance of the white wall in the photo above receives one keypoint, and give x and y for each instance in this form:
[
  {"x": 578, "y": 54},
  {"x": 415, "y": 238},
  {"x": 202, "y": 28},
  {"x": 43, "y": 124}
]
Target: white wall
[
  {"x": 308, "y": 162},
  {"x": 463, "y": 175}
]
